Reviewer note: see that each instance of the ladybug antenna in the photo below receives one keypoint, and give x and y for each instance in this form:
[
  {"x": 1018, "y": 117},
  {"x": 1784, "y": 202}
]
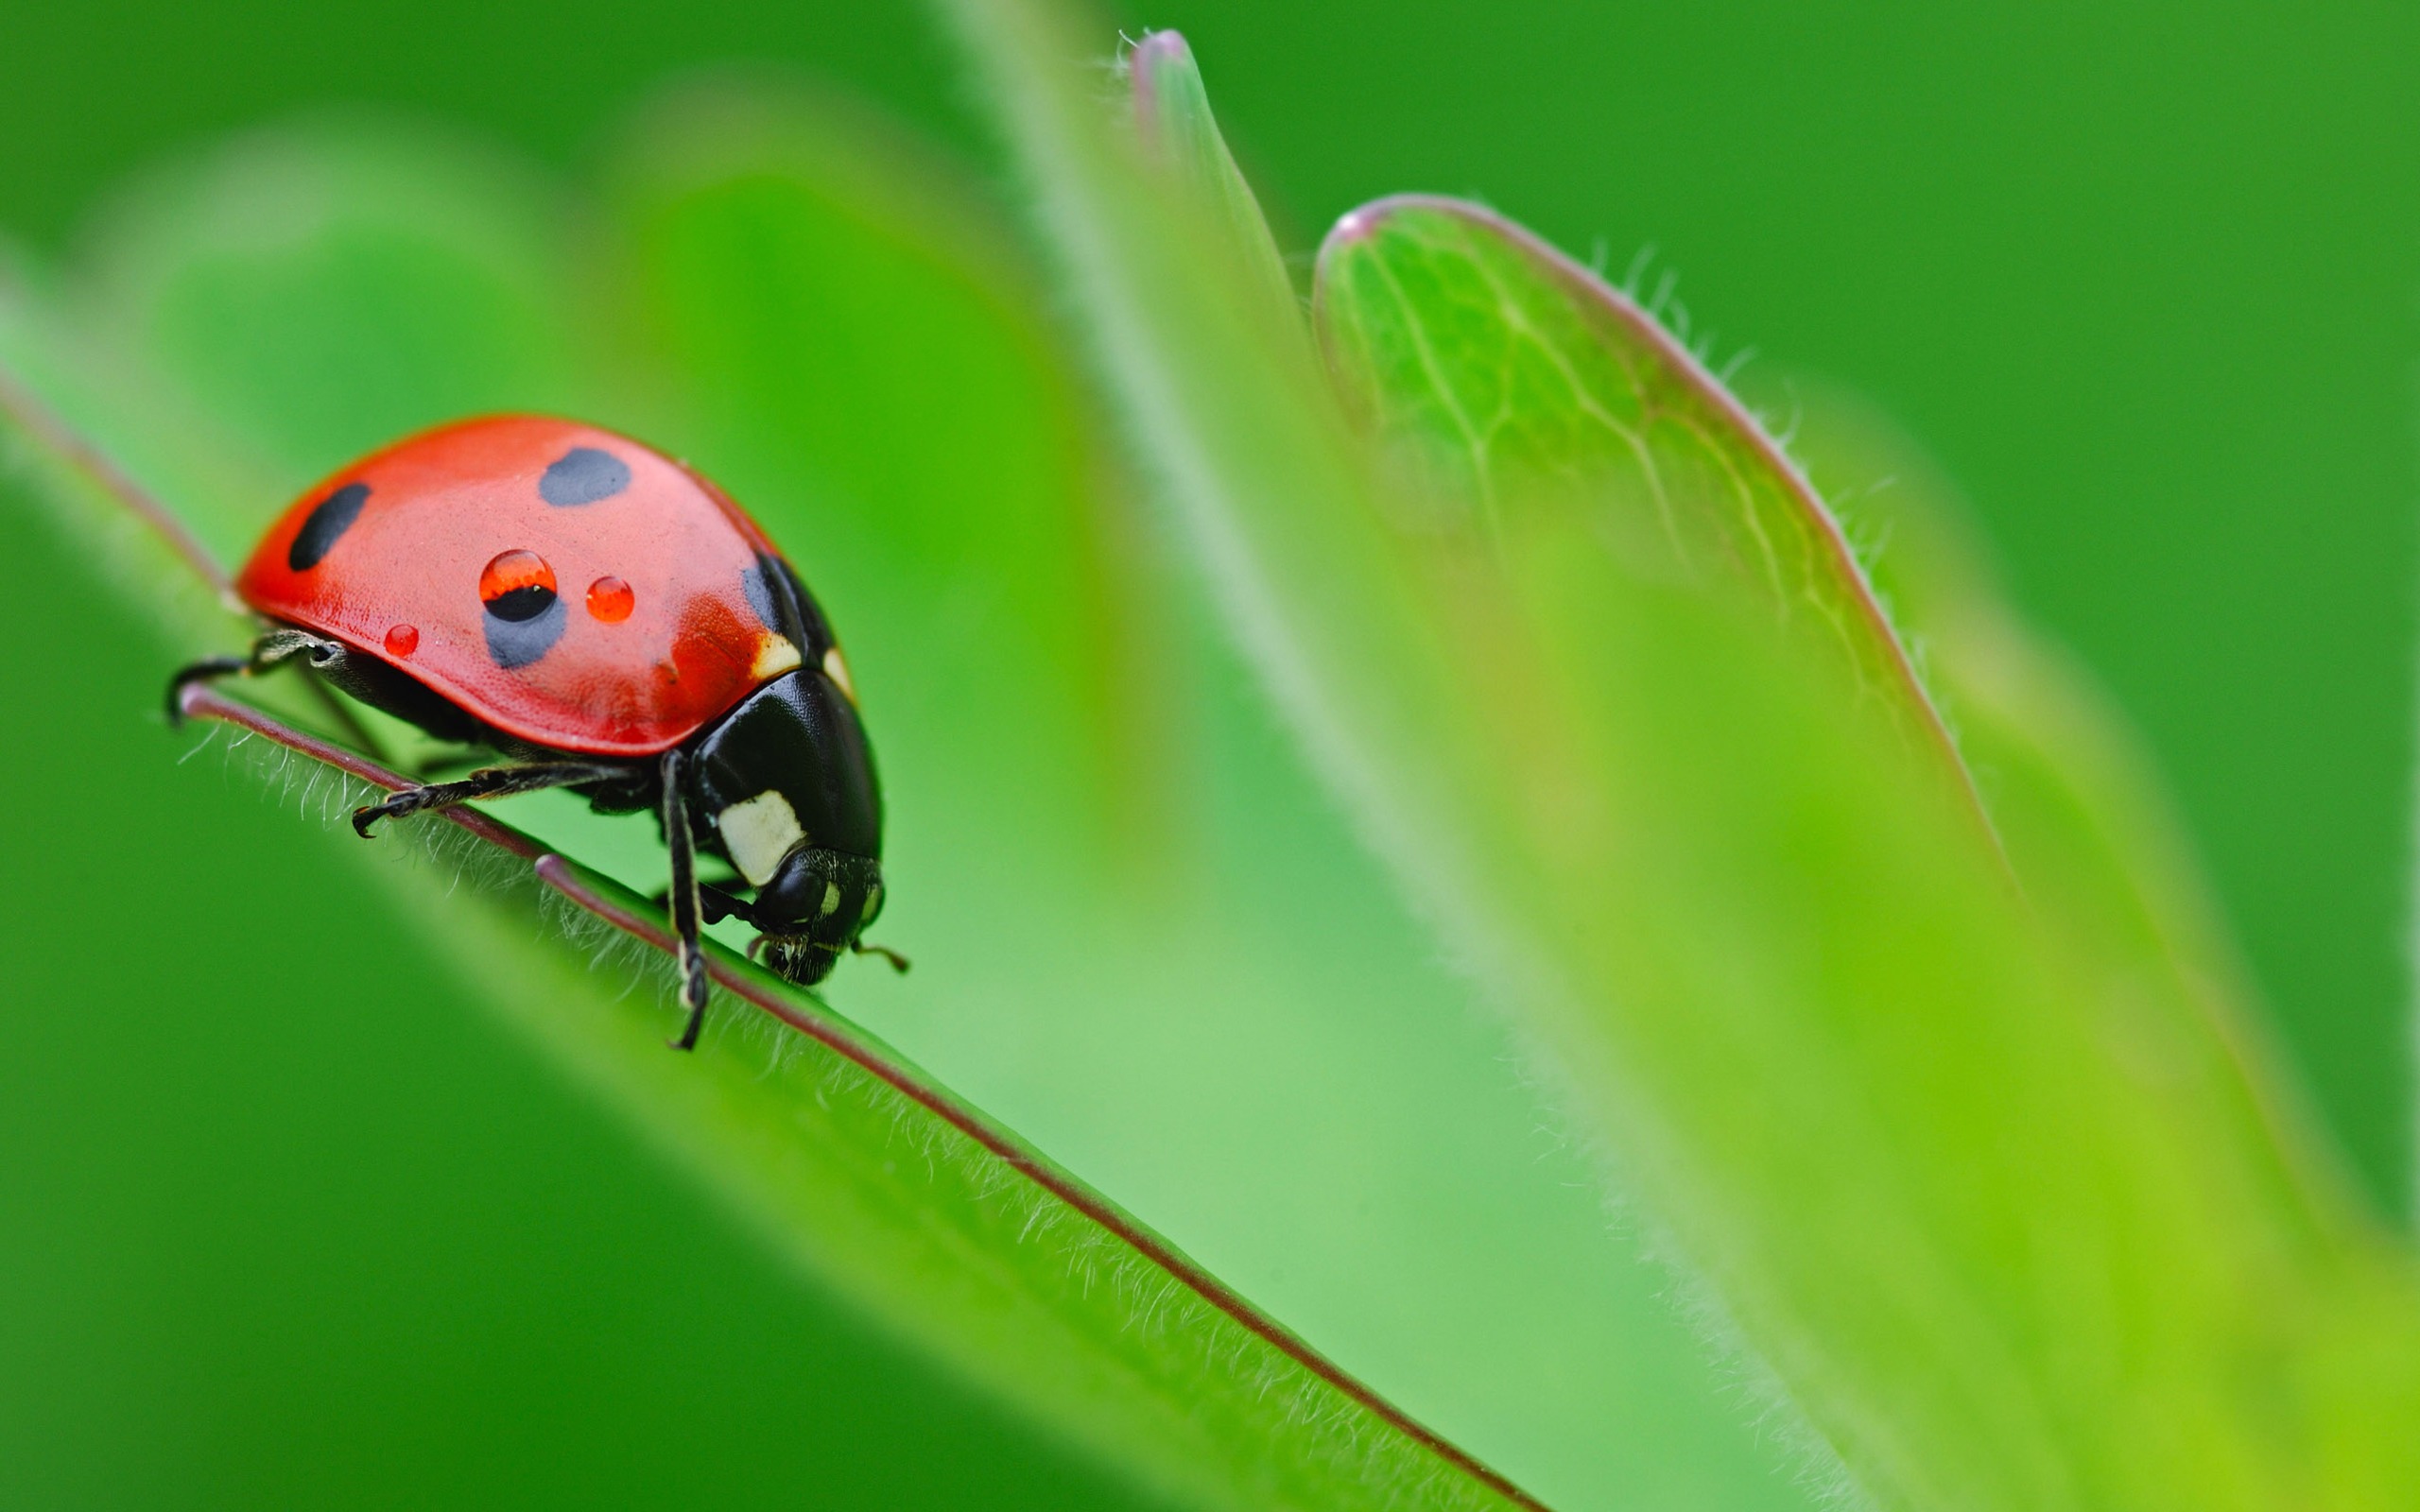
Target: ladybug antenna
[{"x": 898, "y": 962}]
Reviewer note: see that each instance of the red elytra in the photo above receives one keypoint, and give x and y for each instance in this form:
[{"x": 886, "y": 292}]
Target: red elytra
[{"x": 567, "y": 585}]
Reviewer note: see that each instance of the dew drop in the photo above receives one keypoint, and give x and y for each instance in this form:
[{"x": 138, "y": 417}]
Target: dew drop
[
  {"x": 517, "y": 586},
  {"x": 402, "y": 640},
  {"x": 610, "y": 599}
]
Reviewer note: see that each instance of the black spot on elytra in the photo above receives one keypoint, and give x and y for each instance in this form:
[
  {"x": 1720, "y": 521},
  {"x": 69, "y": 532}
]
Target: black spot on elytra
[
  {"x": 583, "y": 475},
  {"x": 328, "y": 521},
  {"x": 523, "y": 625},
  {"x": 524, "y": 603},
  {"x": 784, "y": 606},
  {"x": 757, "y": 584}
]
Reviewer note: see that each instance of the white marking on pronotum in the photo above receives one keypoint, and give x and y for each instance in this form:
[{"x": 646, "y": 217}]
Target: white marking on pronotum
[
  {"x": 774, "y": 656},
  {"x": 831, "y": 901},
  {"x": 758, "y": 832},
  {"x": 838, "y": 671}
]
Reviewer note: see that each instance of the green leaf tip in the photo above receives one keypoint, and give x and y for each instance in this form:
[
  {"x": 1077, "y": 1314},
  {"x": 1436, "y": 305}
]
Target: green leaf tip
[
  {"x": 1179, "y": 132},
  {"x": 1494, "y": 368}
]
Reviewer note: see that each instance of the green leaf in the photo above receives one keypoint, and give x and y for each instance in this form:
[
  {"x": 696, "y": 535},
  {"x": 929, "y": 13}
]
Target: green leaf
[
  {"x": 2008, "y": 1224},
  {"x": 228, "y": 354},
  {"x": 1502, "y": 375}
]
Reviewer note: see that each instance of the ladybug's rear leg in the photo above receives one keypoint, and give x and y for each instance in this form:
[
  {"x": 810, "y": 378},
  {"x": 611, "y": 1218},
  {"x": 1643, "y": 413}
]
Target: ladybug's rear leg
[
  {"x": 685, "y": 900},
  {"x": 493, "y": 781}
]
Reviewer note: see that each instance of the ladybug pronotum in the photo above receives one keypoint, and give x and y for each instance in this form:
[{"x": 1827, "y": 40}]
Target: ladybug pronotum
[{"x": 611, "y": 623}]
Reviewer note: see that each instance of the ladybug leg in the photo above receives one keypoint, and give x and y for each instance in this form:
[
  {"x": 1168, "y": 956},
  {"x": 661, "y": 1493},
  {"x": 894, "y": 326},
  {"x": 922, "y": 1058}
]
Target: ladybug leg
[
  {"x": 495, "y": 782},
  {"x": 684, "y": 901},
  {"x": 268, "y": 651},
  {"x": 209, "y": 669}
]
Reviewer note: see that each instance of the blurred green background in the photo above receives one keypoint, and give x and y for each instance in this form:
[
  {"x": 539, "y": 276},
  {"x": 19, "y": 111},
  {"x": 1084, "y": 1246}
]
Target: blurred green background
[{"x": 2142, "y": 277}]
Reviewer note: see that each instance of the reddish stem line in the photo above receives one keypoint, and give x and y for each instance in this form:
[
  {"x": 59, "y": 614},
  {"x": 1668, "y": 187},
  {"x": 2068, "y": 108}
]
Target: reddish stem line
[
  {"x": 754, "y": 987},
  {"x": 49, "y": 427}
]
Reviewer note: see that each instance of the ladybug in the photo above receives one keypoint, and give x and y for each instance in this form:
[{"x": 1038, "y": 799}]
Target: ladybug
[{"x": 610, "y": 622}]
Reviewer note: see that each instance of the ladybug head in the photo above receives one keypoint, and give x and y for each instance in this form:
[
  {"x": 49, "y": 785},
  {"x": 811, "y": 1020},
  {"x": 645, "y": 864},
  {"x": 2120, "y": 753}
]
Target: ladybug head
[
  {"x": 813, "y": 908},
  {"x": 784, "y": 789}
]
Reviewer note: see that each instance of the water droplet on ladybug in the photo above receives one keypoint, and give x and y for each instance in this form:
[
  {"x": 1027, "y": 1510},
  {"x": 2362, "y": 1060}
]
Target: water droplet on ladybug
[
  {"x": 517, "y": 586},
  {"x": 610, "y": 599},
  {"x": 402, "y": 640}
]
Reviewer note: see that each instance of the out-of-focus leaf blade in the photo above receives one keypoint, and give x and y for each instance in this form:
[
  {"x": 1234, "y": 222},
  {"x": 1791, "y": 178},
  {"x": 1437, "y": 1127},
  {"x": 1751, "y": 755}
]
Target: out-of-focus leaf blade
[
  {"x": 856, "y": 349},
  {"x": 2001, "y": 1212},
  {"x": 1161, "y": 1377},
  {"x": 2074, "y": 796},
  {"x": 2007, "y": 1225}
]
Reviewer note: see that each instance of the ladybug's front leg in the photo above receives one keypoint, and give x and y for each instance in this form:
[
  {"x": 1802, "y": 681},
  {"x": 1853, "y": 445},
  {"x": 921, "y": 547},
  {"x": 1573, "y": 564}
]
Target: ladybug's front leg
[
  {"x": 685, "y": 900},
  {"x": 493, "y": 781}
]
